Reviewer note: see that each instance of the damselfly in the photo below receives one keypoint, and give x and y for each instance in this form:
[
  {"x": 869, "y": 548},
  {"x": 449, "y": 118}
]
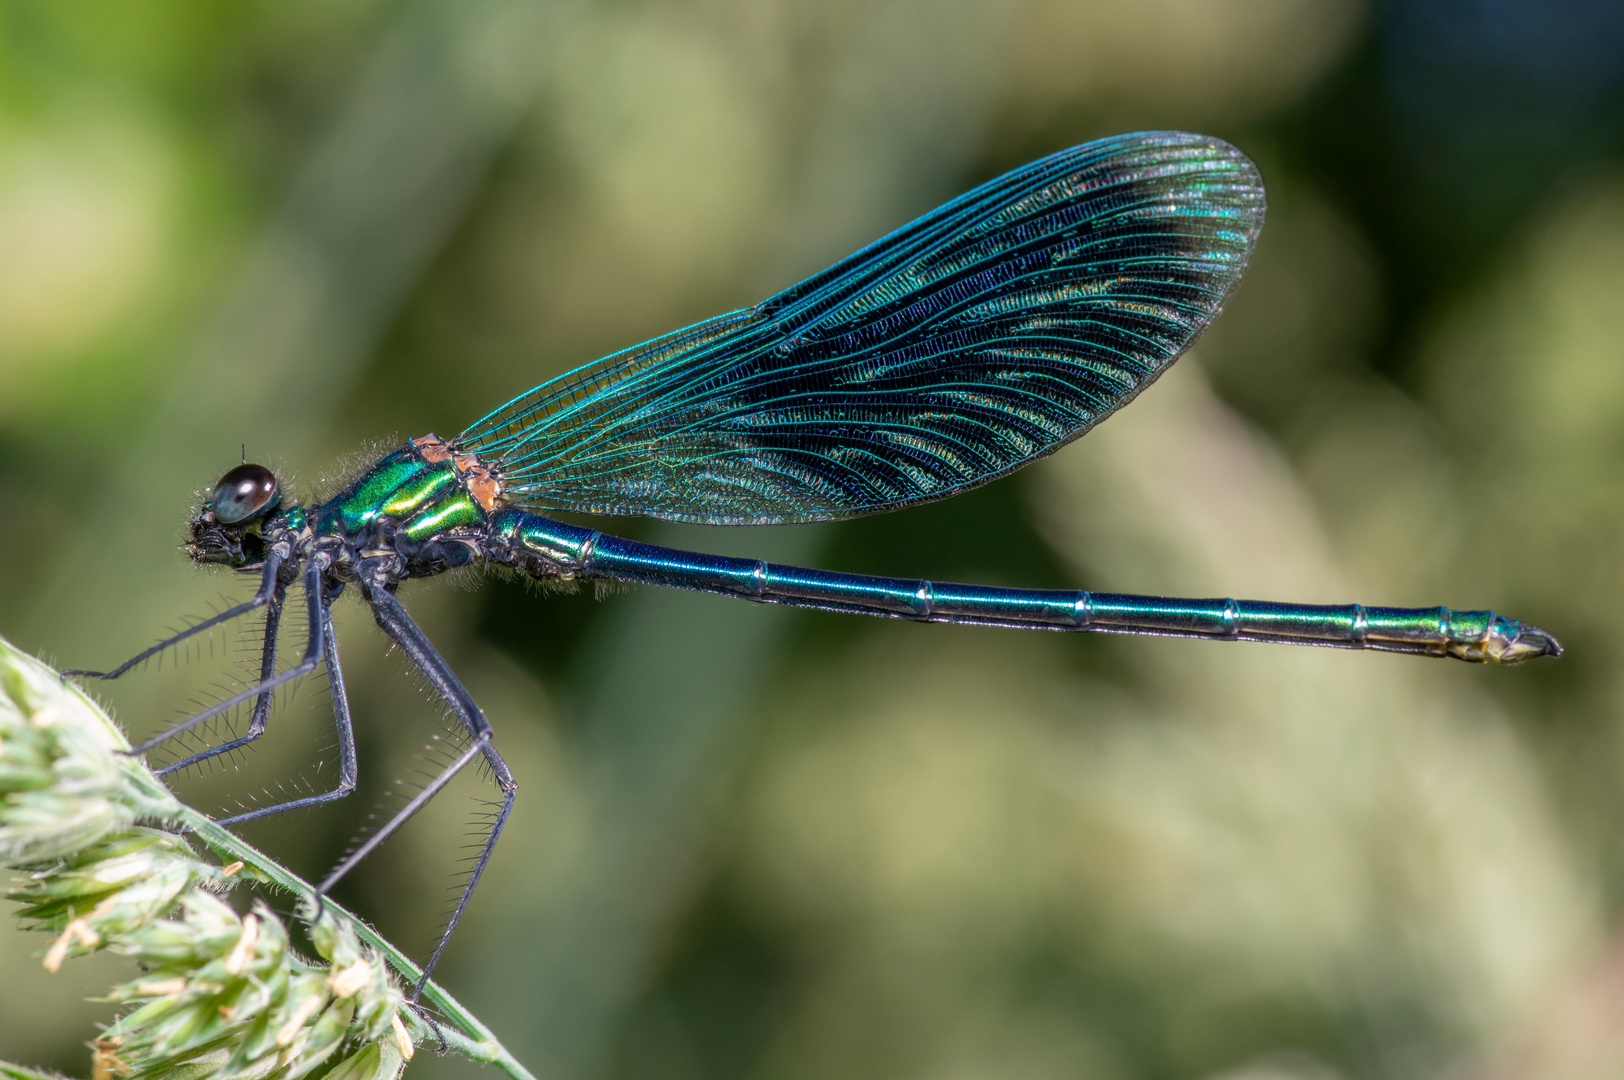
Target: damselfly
[{"x": 986, "y": 334}]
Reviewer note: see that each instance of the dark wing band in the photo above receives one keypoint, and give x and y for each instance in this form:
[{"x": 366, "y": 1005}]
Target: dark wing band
[{"x": 985, "y": 334}]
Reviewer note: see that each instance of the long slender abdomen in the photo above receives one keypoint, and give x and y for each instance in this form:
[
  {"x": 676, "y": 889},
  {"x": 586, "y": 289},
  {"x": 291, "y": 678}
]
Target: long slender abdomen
[{"x": 550, "y": 548}]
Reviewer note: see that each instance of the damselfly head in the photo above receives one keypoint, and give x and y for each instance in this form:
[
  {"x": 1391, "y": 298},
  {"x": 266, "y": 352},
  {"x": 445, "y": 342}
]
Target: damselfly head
[
  {"x": 243, "y": 494},
  {"x": 226, "y": 529}
]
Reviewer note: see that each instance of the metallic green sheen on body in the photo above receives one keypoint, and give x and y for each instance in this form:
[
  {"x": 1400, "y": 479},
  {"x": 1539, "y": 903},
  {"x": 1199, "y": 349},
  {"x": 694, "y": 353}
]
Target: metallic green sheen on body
[
  {"x": 403, "y": 486},
  {"x": 420, "y": 491},
  {"x": 554, "y": 541},
  {"x": 457, "y": 512},
  {"x": 364, "y": 501}
]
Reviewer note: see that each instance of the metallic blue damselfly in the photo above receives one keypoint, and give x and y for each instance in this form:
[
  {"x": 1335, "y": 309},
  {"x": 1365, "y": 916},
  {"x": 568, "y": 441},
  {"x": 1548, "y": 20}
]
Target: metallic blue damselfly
[{"x": 986, "y": 334}]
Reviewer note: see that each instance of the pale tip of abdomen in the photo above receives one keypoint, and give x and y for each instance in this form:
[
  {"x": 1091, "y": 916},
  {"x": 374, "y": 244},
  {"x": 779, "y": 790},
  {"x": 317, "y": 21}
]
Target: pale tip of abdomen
[
  {"x": 1510, "y": 642},
  {"x": 1537, "y": 642}
]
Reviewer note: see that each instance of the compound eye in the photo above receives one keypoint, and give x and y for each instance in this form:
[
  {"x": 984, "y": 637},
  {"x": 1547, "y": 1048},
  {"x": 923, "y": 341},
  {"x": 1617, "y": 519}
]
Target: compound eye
[{"x": 243, "y": 494}]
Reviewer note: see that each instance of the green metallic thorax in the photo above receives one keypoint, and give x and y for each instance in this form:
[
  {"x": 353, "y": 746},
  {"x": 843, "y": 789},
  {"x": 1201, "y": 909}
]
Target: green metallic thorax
[{"x": 421, "y": 499}]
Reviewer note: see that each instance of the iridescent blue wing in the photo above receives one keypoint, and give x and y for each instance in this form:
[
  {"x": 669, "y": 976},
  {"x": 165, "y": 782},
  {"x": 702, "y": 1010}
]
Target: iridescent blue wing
[{"x": 986, "y": 334}]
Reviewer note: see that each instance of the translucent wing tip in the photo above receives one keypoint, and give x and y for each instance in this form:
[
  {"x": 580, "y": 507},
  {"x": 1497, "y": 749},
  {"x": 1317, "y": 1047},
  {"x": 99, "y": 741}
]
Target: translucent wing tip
[
  {"x": 1188, "y": 145},
  {"x": 1209, "y": 184}
]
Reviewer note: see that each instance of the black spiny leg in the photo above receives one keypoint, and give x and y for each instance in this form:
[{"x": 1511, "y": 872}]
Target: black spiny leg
[
  {"x": 316, "y": 612},
  {"x": 269, "y": 590},
  {"x": 262, "y": 707},
  {"x": 394, "y": 620},
  {"x": 347, "y": 772}
]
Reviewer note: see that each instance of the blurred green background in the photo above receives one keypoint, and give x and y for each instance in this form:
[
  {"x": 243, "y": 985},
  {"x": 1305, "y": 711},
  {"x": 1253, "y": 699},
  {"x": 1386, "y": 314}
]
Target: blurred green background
[{"x": 756, "y": 843}]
